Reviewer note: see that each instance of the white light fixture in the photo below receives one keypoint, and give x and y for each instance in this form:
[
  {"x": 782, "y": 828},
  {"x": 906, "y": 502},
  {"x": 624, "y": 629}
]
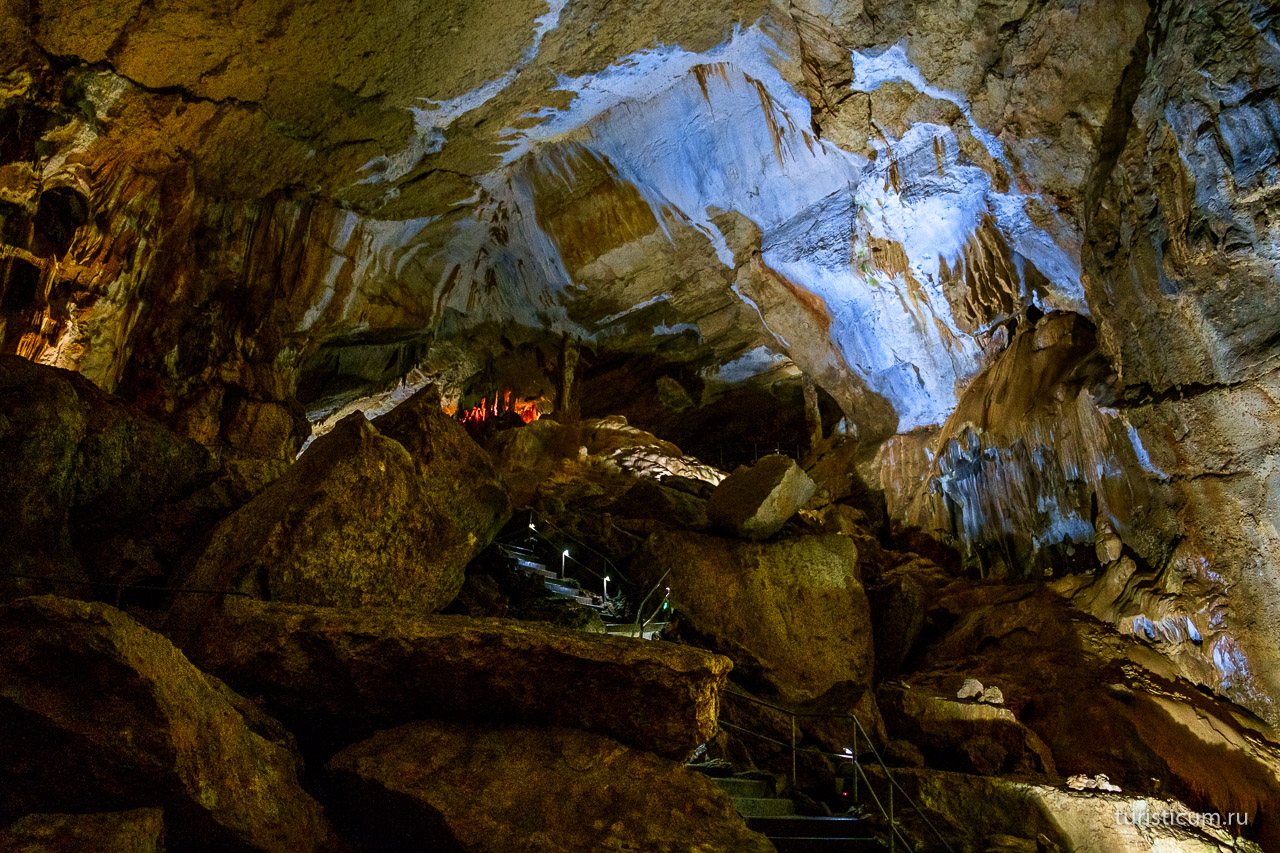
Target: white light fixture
[
  {"x": 564, "y": 555},
  {"x": 606, "y": 587}
]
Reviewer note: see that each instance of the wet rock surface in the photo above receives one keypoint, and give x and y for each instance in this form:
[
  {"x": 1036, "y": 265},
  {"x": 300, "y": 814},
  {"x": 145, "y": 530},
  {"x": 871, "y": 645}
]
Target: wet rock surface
[
  {"x": 103, "y": 713},
  {"x": 1101, "y": 702},
  {"x": 553, "y": 789},
  {"x": 338, "y": 674},
  {"x": 137, "y": 831}
]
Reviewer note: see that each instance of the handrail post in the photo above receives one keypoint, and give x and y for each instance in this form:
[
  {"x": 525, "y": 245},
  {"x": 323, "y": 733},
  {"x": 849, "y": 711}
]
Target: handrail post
[
  {"x": 893, "y": 827},
  {"x": 794, "y": 781},
  {"x": 855, "y": 761}
]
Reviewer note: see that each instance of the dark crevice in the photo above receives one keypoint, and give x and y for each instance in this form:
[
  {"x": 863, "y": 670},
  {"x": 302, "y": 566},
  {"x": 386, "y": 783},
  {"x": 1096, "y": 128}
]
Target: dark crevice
[{"x": 1115, "y": 132}]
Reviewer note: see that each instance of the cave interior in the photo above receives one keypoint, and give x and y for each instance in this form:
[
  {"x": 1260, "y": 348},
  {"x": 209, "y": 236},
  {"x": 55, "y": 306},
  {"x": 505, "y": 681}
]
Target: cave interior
[{"x": 563, "y": 425}]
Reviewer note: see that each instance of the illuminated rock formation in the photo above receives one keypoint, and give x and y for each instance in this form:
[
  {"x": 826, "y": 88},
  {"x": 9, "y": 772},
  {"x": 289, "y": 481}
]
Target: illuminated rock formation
[{"x": 1001, "y": 275}]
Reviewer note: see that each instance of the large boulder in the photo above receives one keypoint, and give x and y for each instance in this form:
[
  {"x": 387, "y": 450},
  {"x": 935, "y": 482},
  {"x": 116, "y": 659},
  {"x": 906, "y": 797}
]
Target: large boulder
[
  {"x": 1103, "y": 702},
  {"x": 76, "y": 462},
  {"x": 136, "y": 831},
  {"x": 352, "y": 523},
  {"x": 541, "y": 790},
  {"x": 335, "y": 675},
  {"x": 792, "y": 613},
  {"x": 968, "y": 736},
  {"x": 978, "y": 814},
  {"x": 101, "y": 713},
  {"x": 649, "y": 499},
  {"x": 755, "y": 502},
  {"x": 458, "y": 476}
]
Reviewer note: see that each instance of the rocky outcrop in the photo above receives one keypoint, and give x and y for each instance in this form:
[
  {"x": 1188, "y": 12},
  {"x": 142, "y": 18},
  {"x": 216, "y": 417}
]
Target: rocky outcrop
[
  {"x": 78, "y": 464},
  {"x": 103, "y": 713},
  {"x": 457, "y": 475},
  {"x": 651, "y": 500},
  {"x": 791, "y": 614},
  {"x": 550, "y": 790},
  {"x": 756, "y": 502},
  {"x": 339, "y": 674},
  {"x": 137, "y": 831},
  {"x": 352, "y": 523},
  {"x": 971, "y": 737},
  {"x": 984, "y": 815},
  {"x": 1103, "y": 702}
]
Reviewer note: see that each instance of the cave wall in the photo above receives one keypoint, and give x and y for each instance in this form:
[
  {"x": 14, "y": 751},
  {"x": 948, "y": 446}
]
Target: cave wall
[{"x": 246, "y": 222}]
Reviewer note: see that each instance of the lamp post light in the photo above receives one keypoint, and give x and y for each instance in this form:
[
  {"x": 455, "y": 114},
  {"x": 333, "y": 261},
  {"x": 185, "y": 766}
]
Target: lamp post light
[
  {"x": 564, "y": 555},
  {"x": 606, "y": 587}
]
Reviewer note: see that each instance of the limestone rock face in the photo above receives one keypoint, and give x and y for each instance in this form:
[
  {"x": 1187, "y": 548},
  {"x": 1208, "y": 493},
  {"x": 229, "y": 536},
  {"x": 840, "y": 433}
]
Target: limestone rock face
[
  {"x": 792, "y": 613},
  {"x": 979, "y": 814},
  {"x": 551, "y": 790},
  {"x": 77, "y": 462},
  {"x": 338, "y": 674},
  {"x": 137, "y": 831},
  {"x": 755, "y": 502},
  {"x": 352, "y": 523},
  {"x": 1102, "y": 702},
  {"x": 102, "y": 713}
]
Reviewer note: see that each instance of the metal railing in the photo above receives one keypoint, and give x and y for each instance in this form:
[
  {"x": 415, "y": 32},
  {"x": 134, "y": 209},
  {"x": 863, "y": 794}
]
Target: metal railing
[
  {"x": 610, "y": 567},
  {"x": 850, "y": 755}
]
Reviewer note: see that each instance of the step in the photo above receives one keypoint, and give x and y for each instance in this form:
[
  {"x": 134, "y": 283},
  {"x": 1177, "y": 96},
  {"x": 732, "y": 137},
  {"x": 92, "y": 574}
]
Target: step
[
  {"x": 736, "y": 787},
  {"x": 800, "y": 826},
  {"x": 545, "y": 573},
  {"x": 796, "y": 834},
  {"x": 528, "y": 564},
  {"x": 763, "y": 806},
  {"x": 631, "y": 628},
  {"x": 826, "y": 845}
]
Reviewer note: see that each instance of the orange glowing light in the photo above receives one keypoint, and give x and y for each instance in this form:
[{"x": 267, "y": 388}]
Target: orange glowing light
[{"x": 526, "y": 409}]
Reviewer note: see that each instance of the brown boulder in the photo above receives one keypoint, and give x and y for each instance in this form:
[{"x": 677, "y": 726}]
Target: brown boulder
[
  {"x": 551, "y": 790},
  {"x": 137, "y": 831},
  {"x": 447, "y": 458},
  {"x": 352, "y": 523},
  {"x": 339, "y": 674},
  {"x": 965, "y": 736},
  {"x": 792, "y": 613},
  {"x": 755, "y": 502},
  {"x": 648, "y": 499},
  {"x": 76, "y": 461},
  {"x": 101, "y": 713}
]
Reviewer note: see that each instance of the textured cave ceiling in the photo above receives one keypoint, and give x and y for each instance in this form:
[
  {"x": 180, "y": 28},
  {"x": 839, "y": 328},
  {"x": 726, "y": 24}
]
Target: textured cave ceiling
[{"x": 1027, "y": 250}]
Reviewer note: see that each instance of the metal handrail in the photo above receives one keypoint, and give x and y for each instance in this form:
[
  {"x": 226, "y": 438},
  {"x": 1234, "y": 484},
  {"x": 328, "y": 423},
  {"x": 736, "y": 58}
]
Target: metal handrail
[
  {"x": 893, "y": 783},
  {"x": 893, "y": 826},
  {"x": 612, "y": 568},
  {"x": 640, "y": 608}
]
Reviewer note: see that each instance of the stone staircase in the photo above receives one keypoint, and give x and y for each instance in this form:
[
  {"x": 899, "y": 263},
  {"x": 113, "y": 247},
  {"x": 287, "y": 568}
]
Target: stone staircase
[
  {"x": 775, "y": 817},
  {"x": 526, "y": 559}
]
